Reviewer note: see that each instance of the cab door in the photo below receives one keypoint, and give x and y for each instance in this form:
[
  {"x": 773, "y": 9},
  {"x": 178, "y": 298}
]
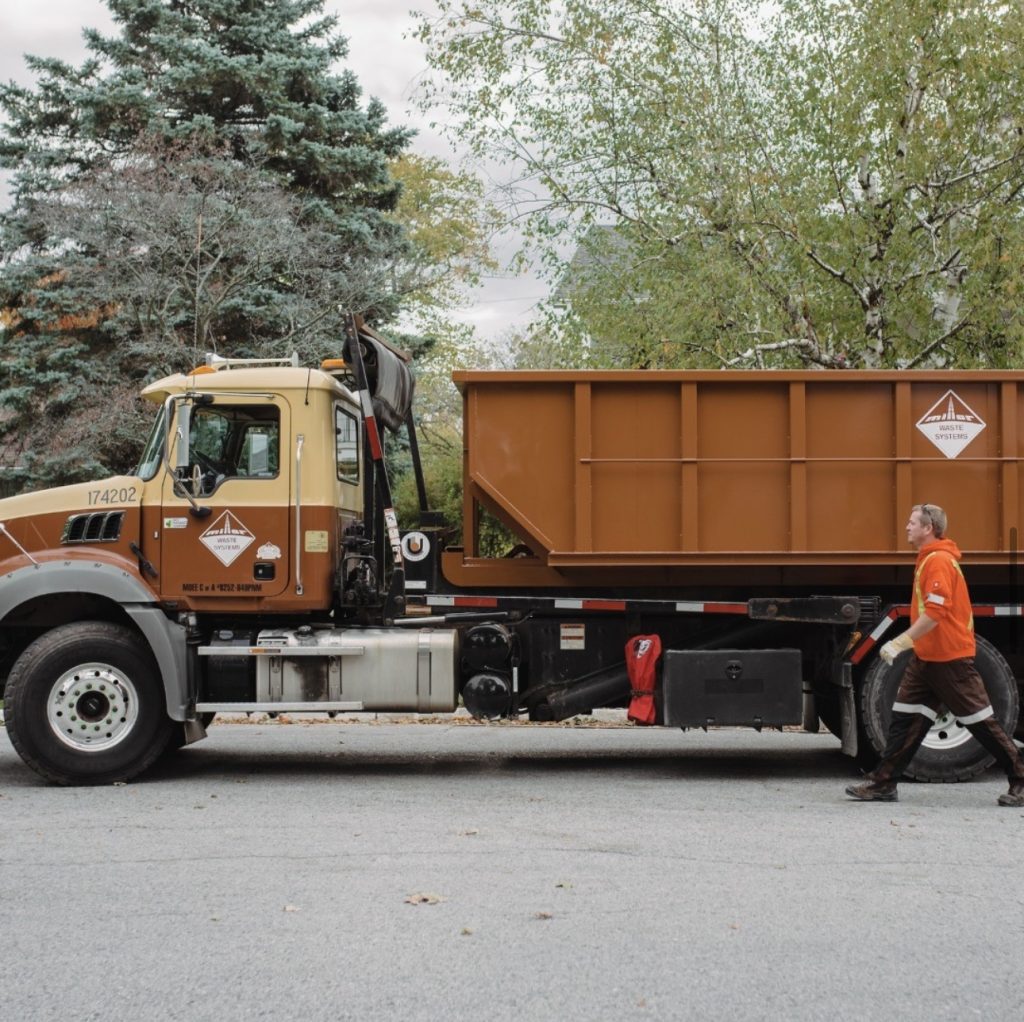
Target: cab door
[{"x": 239, "y": 468}]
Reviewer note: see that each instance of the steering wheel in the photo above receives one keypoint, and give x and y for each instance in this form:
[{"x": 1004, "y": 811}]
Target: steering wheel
[{"x": 206, "y": 474}]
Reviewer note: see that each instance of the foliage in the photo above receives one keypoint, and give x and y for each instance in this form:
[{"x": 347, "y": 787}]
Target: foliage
[
  {"x": 439, "y": 432},
  {"x": 188, "y": 250},
  {"x": 438, "y": 424},
  {"x": 204, "y": 179},
  {"x": 804, "y": 183},
  {"x": 447, "y": 223}
]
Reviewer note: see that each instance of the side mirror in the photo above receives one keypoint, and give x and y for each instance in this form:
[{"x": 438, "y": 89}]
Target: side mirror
[
  {"x": 179, "y": 469},
  {"x": 181, "y": 433}
]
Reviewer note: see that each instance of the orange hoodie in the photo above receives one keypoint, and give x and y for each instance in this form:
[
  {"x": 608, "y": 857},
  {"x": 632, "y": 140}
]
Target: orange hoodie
[{"x": 940, "y": 592}]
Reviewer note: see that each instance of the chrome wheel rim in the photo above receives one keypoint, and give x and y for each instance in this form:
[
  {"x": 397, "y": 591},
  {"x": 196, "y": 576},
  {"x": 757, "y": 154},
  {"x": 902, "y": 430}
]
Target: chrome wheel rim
[
  {"x": 92, "y": 707},
  {"x": 946, "y": 733}
]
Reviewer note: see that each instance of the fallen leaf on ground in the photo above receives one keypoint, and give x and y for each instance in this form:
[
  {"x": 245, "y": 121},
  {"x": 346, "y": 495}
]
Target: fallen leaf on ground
[{"x": 424, "y": 899}]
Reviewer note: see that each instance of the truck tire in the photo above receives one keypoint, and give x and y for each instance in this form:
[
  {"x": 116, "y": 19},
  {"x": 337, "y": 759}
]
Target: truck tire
[
  {"x": 949, "y": 751},
  {"x": 84, "y": 705}
]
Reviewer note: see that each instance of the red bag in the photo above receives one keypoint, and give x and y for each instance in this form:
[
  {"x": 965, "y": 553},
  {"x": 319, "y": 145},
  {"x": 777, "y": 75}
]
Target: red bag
[{"x": 642, "y": 652}]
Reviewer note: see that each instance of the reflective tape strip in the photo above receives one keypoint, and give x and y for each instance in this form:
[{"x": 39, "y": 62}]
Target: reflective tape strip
[
  {"x": 974, "y": 718},
  {"x": 688, "y": 607},
  {"x": 376, "y": 451},
  {"x": 590, "y": 604},
  {"x": 935, "y": 598},
  {"x": 869, "y": 643},
  {"x": 925, "y": 711},
  {"x": 372, "y": 435},
  {"x": 883, "y": 626},
  {"x": 394, "y": 537},
  {"x": 1012, "y": 611}
]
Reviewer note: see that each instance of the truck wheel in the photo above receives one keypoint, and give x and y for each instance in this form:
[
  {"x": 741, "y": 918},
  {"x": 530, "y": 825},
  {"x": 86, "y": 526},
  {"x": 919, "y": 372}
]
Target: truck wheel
[
  {"x": 949, "y": 751},
  {"x": 84, "y": 705}
]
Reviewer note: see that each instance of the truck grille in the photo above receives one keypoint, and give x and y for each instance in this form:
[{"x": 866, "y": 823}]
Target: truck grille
[{"x": 97, "y": 527}]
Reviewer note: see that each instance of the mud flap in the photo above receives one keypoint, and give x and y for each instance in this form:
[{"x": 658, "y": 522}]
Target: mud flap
[
  {"x": 194, "y": 731},
  {"x": 848, "y": 710}
]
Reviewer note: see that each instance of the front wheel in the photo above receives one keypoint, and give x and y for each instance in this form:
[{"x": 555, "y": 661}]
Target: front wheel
[
  {"x": 949, "y": 751},
  {"x": 84, "y": 705}
]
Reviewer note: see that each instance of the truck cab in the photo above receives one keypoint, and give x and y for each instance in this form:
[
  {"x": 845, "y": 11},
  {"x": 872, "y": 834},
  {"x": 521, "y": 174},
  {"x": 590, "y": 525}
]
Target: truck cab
[
  {"x": 249, "y": 480},
  {"x": 232, "y": 570}
]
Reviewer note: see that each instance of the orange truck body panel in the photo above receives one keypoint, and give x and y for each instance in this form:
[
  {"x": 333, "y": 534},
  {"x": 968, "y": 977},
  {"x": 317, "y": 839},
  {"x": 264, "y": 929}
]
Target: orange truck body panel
[{"x": 644, "y": 473}]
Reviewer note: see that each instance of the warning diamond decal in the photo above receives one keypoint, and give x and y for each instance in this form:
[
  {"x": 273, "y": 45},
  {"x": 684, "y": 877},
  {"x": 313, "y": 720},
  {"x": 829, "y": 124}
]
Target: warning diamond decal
[
  {"x": 950, "y": 424},
  {"x": 227, "y": 538}
]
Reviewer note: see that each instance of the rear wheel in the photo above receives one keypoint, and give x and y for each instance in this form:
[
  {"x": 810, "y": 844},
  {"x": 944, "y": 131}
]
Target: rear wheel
[
  {"x": 949, "y": 751},
  {"x": 84, "y": 705}
]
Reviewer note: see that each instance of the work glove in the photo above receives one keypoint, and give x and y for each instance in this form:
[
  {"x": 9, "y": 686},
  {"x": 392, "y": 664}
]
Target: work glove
[{"x": 894, "y": 647}]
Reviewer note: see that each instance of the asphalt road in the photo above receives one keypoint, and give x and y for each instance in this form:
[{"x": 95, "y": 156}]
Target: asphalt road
[{"x": 502, "y": 872}]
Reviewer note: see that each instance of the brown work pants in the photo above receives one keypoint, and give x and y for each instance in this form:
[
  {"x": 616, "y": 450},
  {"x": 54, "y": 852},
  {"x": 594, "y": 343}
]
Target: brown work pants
[{"x": 925, "y": 688}]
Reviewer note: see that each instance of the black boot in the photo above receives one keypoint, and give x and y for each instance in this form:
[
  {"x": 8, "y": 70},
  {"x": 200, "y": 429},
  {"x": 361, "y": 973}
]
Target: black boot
[
  {"x": 1015, "y": 796},
  {"x": 874, "y": 791},
  {"x": 998, "y": 743},
  {"x": 906, "y": 732}
]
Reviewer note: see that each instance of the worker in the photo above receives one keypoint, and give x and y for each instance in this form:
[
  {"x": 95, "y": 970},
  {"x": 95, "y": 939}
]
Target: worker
[{"x": 941, "y": 671}]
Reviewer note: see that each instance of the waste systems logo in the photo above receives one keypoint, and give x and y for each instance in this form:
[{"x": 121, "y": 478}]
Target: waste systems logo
[
  {"x": 227, "y": 538},
  {"x": 950, "y": 424}
]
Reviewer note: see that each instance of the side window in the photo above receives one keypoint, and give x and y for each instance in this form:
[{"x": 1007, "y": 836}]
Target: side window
[
  {"x": 346, "y": 439},
  {"x": 235, "y": 442},
  {"x": 208, "y": 439},
  {"x": 260, "y": 451}
]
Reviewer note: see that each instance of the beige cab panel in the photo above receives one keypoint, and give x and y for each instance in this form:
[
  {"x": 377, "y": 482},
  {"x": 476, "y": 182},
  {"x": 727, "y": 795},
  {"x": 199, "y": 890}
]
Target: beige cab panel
[{"x": 241, "y": 469}]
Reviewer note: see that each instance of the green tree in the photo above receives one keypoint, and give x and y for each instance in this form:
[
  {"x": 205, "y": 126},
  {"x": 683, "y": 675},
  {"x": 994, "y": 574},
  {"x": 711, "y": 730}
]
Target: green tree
[
  {"x": 810, "y": 182},
  {"x": 448, "y": 224},
  {"x": 246, "y": 87}
]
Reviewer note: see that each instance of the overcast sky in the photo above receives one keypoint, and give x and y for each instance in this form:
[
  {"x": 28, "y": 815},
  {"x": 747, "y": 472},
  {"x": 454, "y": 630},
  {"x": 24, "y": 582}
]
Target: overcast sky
[{"x": 387, "y": 62}]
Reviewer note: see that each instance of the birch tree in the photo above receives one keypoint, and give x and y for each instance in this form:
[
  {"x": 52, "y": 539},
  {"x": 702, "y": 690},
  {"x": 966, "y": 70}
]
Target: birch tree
[{"x": 804, "y": 183}]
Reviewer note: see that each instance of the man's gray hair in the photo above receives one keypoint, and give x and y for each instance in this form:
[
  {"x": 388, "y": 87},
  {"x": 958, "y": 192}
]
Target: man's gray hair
[{"x": 933, "y": 515}]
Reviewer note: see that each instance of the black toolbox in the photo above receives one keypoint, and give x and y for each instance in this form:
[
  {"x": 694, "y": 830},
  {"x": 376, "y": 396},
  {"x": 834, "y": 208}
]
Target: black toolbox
[{"x": 755, "y": 687}]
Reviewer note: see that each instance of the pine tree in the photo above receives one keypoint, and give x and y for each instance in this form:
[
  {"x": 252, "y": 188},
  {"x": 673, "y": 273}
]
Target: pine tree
[{"x": 236, "y": 107}]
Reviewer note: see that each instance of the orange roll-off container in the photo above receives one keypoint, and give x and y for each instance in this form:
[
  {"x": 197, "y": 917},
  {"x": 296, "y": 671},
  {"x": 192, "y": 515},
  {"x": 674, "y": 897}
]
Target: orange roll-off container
[{"x": 679, "y": 476}]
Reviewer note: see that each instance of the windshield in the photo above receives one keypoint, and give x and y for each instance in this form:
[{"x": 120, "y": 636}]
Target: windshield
[{"x": 153, "y": 454}]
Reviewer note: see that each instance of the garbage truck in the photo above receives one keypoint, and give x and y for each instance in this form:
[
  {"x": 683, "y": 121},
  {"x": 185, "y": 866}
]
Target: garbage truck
[{"x": 740, "y": 532}]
